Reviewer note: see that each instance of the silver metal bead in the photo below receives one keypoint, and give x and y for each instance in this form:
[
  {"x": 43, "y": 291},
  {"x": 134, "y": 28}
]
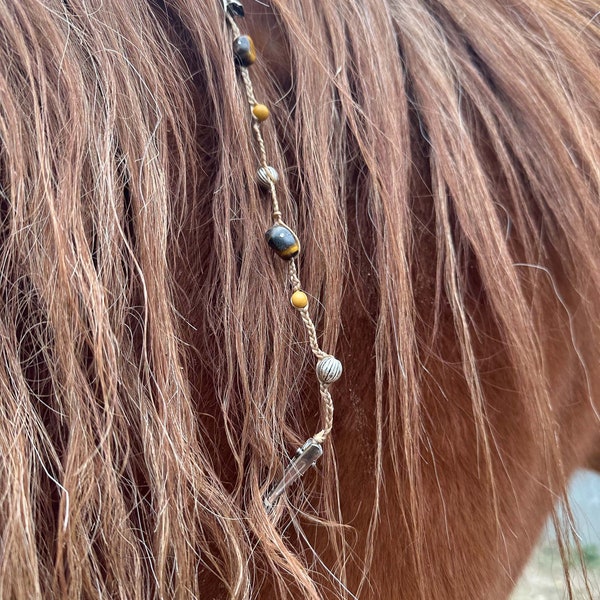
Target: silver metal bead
[
  {"x": 329, "y": 369},
  {"x": 265, "y": 176}
]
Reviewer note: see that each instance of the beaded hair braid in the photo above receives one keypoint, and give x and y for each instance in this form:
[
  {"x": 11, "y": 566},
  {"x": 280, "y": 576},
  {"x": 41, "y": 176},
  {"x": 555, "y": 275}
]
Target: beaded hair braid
[{"x": 284, "y": 242}]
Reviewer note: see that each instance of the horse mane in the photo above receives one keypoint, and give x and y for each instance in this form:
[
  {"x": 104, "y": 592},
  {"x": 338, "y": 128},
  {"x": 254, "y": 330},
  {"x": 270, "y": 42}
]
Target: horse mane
[{"x": 441, "y": 164}]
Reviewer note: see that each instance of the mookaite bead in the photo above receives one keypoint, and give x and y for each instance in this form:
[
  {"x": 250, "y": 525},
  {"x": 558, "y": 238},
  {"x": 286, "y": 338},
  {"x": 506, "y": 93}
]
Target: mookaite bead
[
  {"x": 283, "y": 241},
  {"x": 299, "y": 299},
  {"x": 260, "y": 112},
  {"x": 244, "y": 51}
]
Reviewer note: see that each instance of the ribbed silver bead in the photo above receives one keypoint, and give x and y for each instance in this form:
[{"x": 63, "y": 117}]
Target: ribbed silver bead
[
  {"x": 265, "y": 176},
  {"x": 329, "y": 369}
]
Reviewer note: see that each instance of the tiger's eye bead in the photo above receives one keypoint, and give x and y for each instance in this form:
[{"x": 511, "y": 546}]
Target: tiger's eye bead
[
  {"x": 244, "y": 50},
  {"x": 265, "y": 176},
  {"x": 260, "y": 112},
  {"x": 329, "y": 369},
  {"x": 299, "y": 299},
  {"x": 283, "y": 241}
]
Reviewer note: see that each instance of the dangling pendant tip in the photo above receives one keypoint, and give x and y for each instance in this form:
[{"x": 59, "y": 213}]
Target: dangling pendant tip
[{"x": 306, "y": 456}]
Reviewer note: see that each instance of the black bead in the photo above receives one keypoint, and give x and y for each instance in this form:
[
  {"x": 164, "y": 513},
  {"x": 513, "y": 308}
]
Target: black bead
[{"x": 283, "y": 241}]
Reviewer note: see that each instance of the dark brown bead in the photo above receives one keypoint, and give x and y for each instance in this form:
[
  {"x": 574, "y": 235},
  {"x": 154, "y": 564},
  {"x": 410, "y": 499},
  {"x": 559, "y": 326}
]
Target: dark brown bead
[{"x": 244, "y": 51}]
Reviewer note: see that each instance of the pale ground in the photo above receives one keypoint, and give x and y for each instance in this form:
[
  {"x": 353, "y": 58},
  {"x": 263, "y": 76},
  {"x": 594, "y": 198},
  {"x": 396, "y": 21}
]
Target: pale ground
[{"x": 543, "y": 578}]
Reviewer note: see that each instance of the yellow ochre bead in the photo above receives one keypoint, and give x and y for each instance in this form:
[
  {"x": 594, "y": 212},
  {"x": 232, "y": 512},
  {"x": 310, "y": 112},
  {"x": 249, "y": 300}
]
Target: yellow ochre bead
[
  {"x": 260, "y": 112},
  {"x": 299, "y": 299}
]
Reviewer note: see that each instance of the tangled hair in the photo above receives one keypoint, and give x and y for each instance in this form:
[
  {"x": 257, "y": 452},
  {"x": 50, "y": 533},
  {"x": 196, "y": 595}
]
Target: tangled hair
[{"x": 441, "y": 163}]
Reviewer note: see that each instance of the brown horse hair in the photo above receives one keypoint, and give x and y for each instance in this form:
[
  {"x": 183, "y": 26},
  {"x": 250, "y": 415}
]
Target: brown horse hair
[{"x": 441, "y": 163}]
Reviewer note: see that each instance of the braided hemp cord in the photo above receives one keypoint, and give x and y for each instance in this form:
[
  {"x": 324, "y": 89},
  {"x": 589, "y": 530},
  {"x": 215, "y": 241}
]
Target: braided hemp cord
[{"x": 326, "y": 399}]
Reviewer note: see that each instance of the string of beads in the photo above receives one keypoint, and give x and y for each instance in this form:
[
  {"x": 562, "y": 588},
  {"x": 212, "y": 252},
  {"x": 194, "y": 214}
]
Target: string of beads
[{"x": 285, "y": 243}]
